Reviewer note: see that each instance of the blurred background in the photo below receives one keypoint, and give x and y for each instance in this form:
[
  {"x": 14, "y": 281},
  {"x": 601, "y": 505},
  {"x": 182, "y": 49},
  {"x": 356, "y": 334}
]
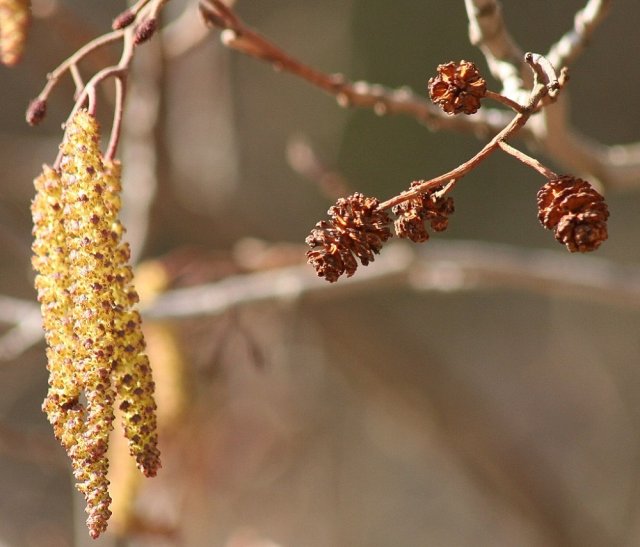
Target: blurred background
[{"x": 372, "y": 415}]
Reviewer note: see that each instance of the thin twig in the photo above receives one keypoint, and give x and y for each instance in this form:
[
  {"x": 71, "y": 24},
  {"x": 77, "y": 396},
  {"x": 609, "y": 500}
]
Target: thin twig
[
  {"x": 528, "y": 160},
  {"x": 488, "y": 31},
  {"x": 566, "y": 50},
  {"x": 539, "y": 91},
  {"x": 448, "y": 266},
  {"x": 87, "y": 93},
  {"x": 53, "y": 78},
  {"x": 517, "y": 107}
]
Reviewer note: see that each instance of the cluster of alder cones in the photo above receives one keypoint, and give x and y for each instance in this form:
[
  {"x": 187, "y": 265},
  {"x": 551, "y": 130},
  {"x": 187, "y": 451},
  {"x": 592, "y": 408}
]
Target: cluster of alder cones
[{"x": 358, "y": 226}]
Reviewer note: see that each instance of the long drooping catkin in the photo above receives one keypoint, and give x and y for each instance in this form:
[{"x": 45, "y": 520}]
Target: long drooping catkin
[{"x": 96, "y": 347}]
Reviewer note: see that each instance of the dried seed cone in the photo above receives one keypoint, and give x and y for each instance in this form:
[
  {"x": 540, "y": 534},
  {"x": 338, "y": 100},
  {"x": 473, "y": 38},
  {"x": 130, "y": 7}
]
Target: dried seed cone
[
  {"x": 356, "y": 229},
  {"x": 457, "y": 88},
  {"x": 413, "y": 214},
  {"x": 15, "y": 16},
  {"x": 575, "y": 211},
  {"x": 93, "y": 332}
]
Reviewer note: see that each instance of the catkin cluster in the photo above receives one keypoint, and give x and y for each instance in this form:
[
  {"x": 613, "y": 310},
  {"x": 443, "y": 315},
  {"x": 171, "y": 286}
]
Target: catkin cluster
[{"x": 95, "y": 344}]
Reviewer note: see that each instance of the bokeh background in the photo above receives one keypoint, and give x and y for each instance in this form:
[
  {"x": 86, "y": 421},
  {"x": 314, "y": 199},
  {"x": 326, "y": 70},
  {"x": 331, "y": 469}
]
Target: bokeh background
[{"x": 379, "y": 417}]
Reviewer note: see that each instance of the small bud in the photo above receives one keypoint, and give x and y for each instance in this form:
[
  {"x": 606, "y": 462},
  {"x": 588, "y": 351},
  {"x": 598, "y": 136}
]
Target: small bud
[
  {"x": 458, "y": 87},
  {"x": 123, "y": 20},
  {"x": 36, "y": 111},
  {"x": 145, "y": 30}
]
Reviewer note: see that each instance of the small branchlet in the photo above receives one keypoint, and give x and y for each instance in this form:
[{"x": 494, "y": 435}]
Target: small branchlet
[
  {"x": 132, "y": 27},
  {"x": 569, "y": 206}
]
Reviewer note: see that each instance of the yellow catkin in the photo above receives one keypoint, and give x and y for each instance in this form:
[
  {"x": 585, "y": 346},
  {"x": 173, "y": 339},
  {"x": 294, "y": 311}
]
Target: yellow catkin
[
  {"x": 15, "y": 16},
  {"x": 91, "y": 247},
  {"x": 133, "y": 378},
  {"x": 61, "y": 405},
  {"x": 94, "y": 336},
  {"x": 167, "y": 357}
]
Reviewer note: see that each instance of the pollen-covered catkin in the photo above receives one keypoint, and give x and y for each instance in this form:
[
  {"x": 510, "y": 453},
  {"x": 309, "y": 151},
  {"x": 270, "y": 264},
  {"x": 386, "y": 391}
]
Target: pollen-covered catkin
[
  {"x": 61, "y": 404},
  {"x": 93, "y": 332},
  {"x": 132, "y": 372}
]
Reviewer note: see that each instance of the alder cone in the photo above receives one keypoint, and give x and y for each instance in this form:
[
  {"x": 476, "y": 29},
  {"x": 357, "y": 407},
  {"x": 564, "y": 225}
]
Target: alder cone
[
  {"x": 356, "y": 229},
  {"x": 575, "y": 211},
  {"x": 457, "y": 88},
  {"x": 414, "y": 213}
]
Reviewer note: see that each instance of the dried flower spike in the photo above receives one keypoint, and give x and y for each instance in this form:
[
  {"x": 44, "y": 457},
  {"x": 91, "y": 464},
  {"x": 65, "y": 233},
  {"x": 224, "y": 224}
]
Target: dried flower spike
[
  {"x": 414, "y": 213},
  {"x": 15, "y": 16},
  {"x": 575, "y": 211},
  {"x": 356, "y": 227},
  {"x": 458, "y": 87}
]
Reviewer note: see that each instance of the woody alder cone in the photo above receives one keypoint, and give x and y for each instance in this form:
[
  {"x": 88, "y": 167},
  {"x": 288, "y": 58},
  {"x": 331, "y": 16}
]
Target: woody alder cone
[
  {"x": 458, "y": 87},
  {"x": 426, "y": 207},
  {"x": 575, "y": 211},
  {"x": 357, "y": 228}
]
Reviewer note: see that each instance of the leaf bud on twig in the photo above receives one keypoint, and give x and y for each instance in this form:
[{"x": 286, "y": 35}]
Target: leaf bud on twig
[
  {"x": 123, "y": 20},
  {"x": 36, "y": 111},
  {"x": 145, "y": 30}
]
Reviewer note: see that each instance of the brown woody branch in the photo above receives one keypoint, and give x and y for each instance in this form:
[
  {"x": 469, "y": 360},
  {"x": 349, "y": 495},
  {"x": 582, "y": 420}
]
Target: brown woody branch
[
  {"x": 138, "y": 18},
  {"x": 448, "y": 266},
  {"x": 382, "y": 100}
]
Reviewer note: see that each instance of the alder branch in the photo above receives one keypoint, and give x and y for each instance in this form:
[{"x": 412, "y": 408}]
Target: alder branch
[
  {"x": 613, "y": 166},
  {"x": 443, "y": 266},
  {"x": 133, "y": 27},
  {"x": 546, "y": 84},
  {"x": 446, "y": 266},
  {"x": 382, "y": 100}
]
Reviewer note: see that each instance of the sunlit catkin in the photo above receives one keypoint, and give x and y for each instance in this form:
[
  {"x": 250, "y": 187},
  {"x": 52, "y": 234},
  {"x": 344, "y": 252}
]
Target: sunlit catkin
[
  {"x": 15, "y": 17},
  {"x": 93, "y": 332}
]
